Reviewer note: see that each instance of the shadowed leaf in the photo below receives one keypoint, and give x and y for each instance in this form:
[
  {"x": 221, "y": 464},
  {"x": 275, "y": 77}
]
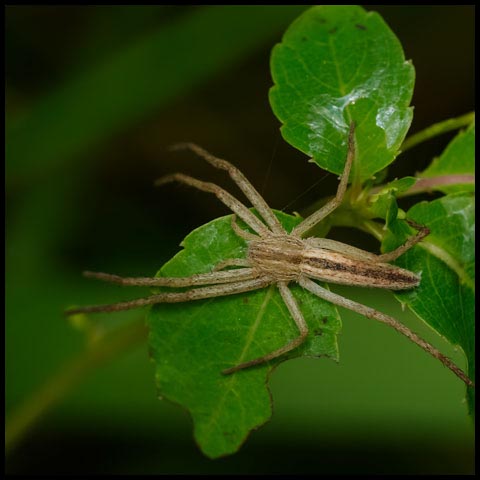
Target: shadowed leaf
[{"x": 445, "y": 260}]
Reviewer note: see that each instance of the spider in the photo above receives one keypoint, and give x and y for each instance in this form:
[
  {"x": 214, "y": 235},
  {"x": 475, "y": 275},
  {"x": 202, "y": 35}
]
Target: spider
[{"x": 277, "y": 257}]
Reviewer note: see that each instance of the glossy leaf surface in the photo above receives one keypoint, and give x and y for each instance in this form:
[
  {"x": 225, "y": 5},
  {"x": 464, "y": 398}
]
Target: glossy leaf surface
[{"x": 338, "y": 64}]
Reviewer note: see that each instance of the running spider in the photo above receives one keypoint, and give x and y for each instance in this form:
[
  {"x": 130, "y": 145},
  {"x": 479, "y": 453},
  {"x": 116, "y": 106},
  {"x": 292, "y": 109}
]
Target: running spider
[{"x": 275, "y": 256}]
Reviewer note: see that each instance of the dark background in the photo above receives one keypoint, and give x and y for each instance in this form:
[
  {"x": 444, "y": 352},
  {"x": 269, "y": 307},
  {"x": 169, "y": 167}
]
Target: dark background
[{"x": 86, "y": 139}]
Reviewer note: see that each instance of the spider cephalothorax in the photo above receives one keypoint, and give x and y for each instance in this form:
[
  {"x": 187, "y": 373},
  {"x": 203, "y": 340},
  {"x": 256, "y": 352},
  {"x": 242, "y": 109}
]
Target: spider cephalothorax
[{"x": 272, "y": 254}]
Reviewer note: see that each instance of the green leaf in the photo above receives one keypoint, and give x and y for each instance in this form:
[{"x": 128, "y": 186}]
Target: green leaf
[
  {"x": 458, "y": 160},
  {"x": 191, "y": 343},
  {"x": 445, "y": 260},
  {"x": 336, "y": 64},
  {"x": 399, "y": 185},
  {"x": 383, "y": 203}
]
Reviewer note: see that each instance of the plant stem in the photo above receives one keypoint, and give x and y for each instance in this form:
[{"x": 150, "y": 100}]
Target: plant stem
[
  {"x": 112, "y": 344},
  {"x": 373, "y": 228},
  {"x": 426, "y": 185},
  {"x": 438, "y": 129}
]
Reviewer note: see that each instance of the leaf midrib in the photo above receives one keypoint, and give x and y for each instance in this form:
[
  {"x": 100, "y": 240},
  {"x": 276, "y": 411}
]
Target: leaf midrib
[
  {"x": 450, "y": 261},
  {"x": 232, "y": 379}
]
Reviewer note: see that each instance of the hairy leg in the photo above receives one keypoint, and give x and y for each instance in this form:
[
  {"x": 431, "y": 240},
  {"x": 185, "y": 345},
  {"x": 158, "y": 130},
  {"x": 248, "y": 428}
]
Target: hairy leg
[
  {"x": 193, "y": 280},
  {"x": 247, "y": 236},
  {"x": 411, "y": 241},
  {"x": 300, "y": 322},
  {"x": 245, "y": 186},
  {"x": 226, "y": 198},
  {"x": 381, "y": 317},
  {"x": 195, "y": 294},
  {"x": 329, "y": 207},
  {"x": 340, "y": 247},
  {"x": 232, "y": 262}
]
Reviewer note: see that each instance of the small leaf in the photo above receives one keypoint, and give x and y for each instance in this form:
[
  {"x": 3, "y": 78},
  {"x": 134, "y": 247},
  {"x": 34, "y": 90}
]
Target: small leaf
[
  {"x": 336, "y": 64},
  {"x": 445, "y": 260},
  {"x": 457, "y": 159},
  {"x": 398, "y": 185},
  {"x": 383, "y": 204},
  {"x": 191, "y": 343}
]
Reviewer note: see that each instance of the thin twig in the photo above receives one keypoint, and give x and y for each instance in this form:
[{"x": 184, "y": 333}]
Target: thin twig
[
  {"x": 22, "y": 418},
  {"x": 438, "y": 129}
]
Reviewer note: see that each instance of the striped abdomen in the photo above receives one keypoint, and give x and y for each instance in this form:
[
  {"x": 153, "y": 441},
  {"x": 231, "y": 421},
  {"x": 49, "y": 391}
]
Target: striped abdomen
[
  {"x": 335, "y": 267},
  {"x": 286, "y": 258}
]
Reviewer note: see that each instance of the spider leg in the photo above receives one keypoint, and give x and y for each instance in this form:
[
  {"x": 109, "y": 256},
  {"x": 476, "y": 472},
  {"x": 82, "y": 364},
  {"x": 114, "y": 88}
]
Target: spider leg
[
  {"x": 236, "y": 262},
  {"x": 232, "y": 262},
  {"x": 363, "y": 255},
  {"x": 239, "y": 178},
  {"x": 241, "y": 232},
  {"x": 195, "y": 294},
  {"x": 381, "y": 317},
  {"x": 194, "y": 280},
  {"x": 226, "y": 198},
  {"x": 340, "y": 247},
  {"x": 394, "y": 254},
  {"x": 329, "y": 207},
  {"x": 301, "y": 324}
]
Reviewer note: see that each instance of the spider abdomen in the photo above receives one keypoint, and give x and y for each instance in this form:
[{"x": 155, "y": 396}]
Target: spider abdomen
[
  {"x": 336, "y": 267},
  {"x": 284, "y": 258}
]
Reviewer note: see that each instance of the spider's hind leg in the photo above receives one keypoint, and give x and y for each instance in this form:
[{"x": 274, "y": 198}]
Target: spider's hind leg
[{"x": 411, "y": 242}]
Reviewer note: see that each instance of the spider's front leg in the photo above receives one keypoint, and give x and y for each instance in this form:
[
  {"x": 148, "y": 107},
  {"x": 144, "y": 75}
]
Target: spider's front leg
[
  {"x": 220, "y": 290},
  {"x": 239, "y": 178}
]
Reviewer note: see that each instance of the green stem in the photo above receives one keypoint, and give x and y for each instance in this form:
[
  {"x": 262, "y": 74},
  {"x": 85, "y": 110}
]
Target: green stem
[
  {"x": 373, "y": 228},
  {"x": 426, "y": 185},
  {"x": 438, "y": 129},
  {"x": 21, "y": 419}
]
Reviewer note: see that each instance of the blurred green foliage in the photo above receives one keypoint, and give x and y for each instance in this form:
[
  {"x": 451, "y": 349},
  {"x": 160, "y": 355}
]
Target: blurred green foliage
[{"x": 94, "y": 95}]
